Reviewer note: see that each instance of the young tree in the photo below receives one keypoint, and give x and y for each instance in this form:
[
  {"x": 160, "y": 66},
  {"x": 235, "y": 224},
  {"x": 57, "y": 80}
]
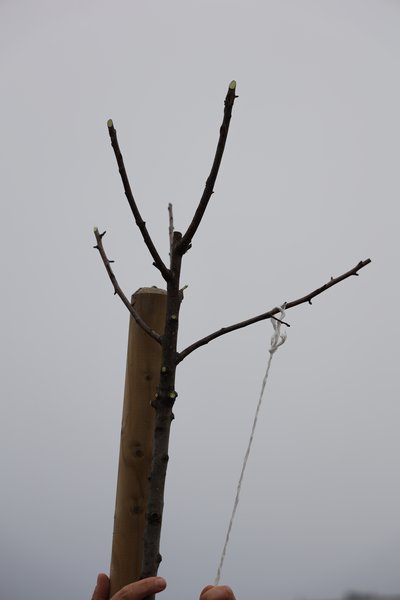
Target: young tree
[{"x": 171, "y": 357}]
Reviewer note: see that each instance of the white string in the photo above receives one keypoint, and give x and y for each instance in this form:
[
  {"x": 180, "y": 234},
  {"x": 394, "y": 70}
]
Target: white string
[{"x": 278, "y": 338}]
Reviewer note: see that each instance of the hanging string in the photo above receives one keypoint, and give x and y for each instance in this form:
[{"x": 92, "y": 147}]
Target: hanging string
[{"x": 278, "y": 338}]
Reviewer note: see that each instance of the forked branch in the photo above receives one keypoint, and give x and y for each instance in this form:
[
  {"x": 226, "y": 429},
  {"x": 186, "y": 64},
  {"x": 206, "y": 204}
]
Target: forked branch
[
  {"x": 158, "y": 263},
  {"x": 118, "y": 291},
  {"x": 209, "y": 187},
  {"x": 212, "y": 336}
]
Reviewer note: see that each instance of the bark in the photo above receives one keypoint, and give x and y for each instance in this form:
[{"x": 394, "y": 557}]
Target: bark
[{"x": 163, "y": 404}]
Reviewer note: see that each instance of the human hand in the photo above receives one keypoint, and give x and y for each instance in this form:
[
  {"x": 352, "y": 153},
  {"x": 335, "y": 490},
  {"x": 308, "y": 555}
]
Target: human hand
[
  {"x": 134, "y": 591},
  {"x": 152, "y": 585},
  {"x": 217, "y": 592}
]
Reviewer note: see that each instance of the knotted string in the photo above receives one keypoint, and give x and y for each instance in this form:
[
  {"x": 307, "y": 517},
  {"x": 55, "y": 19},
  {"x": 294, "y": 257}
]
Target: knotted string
[{"x": 278, "y": 338}]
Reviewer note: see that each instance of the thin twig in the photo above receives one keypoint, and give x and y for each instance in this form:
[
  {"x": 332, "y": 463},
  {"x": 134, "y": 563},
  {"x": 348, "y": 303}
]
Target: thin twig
[
  {"x": 117, "y": 290},
  {"x": 158, "y": 263},
  {"x": 171, "y": 227},
  {"x": 209, "y": 187},
  {"x": 280, "y": 321},
  {"x": 212, "y": 336}
]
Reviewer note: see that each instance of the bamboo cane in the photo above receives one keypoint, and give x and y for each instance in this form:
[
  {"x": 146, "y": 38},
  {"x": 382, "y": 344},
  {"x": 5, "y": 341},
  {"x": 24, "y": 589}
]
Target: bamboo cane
[{"x": 141, "y": 381}]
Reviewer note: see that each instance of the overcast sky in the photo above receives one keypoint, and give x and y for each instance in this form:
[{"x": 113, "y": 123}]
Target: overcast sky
[{"x": 308, "y": 187}]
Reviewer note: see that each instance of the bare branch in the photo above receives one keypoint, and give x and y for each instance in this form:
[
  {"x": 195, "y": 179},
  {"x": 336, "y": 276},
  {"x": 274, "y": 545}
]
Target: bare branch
[
  {"x": 117, "y": 290},
  {"x": 209, "y": 187},
  {"x": 158, "y": 263},
  {"x": 333, "y": 281},
  {"x": 212, "y": 336}
]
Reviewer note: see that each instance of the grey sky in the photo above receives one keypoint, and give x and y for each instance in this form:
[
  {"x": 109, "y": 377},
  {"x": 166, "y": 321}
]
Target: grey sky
[{"x": 308, "y": 187}]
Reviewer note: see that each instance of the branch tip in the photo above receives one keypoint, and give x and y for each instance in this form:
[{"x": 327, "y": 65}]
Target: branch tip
[
  {"x": 186, "y": 240},
  {"x": 110, "y": 123}
]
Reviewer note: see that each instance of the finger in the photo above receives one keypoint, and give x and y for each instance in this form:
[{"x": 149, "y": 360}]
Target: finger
[
  {"x": 219, "y": 592},
  {"x": 140, "y": 589},
  {"x": 102, "y": 589},
  {"x": 204, "y": 590}
]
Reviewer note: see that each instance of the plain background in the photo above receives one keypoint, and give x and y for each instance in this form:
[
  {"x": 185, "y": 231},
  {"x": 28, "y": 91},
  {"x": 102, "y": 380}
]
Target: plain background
[{"x": 309, "y": 186}]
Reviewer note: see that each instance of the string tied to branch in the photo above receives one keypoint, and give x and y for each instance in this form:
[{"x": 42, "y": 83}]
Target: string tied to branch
[{"x": 278, "y": 338}]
